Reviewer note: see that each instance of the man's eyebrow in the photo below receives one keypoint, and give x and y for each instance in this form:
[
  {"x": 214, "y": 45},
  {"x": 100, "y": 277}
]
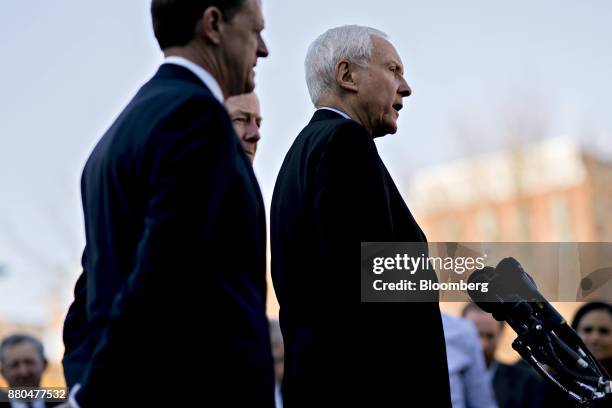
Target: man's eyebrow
[
  {"x": 398, "y": 64},
  {"x": 245, "y": 113},
  {"x": 259, "y": 24}
]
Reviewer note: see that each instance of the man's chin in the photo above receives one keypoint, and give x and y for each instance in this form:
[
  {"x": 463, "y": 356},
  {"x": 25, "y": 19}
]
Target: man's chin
[
  {"x": 242, "y": 88},
  {"x": 388, "y": 129},
  {"x": 249, "y": 87},
  {"x": 25, "y": 384},
  {"x": 250, "y": 83}
]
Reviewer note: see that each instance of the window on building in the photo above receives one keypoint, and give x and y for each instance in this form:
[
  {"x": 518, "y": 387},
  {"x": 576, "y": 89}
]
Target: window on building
[
  {"x": 486, "y": 220},
  {"x": 560, "y": 218}
]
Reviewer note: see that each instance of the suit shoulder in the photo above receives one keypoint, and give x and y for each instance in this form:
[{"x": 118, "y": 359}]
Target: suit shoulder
[
  {"x": 152, "y": 116},
  {"x": 172, "y": 93},
  {"x": 322, "y": 142},
  {"x": 347, "y": 128},
  {"x": 159, "y": 97},
  {"x": 350, "y": 136},
  {"x": 514, "y": 370},
  {"x": 336, "y": 134},
  {"x": 201, "y": 105},
  {"x": 196, "y": 117},
  {"x": 167, "y": 104}
]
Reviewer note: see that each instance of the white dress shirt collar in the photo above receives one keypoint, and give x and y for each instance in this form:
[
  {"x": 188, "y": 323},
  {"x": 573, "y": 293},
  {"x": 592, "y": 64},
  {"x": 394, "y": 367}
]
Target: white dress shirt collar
[
  {"x": 200, "y": 72},
  {"x": 344, "y": 115}
]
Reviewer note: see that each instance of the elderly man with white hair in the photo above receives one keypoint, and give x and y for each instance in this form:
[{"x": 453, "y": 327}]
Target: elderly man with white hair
[{"x": 333, "y": 192}]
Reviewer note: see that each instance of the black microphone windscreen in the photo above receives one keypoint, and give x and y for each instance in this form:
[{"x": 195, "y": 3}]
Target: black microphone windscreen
[
  {"x": 513, "y": 280},
  {"x": 485, "y": 300}
]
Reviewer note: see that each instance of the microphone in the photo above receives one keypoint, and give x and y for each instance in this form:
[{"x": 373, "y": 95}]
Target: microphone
[
  {"x": 512, "y": 294},
  {"x": 544, "y": 337}
]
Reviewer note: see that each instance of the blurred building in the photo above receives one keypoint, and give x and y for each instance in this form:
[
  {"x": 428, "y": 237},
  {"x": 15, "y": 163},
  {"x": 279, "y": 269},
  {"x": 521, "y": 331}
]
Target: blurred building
[{"x": 549, "y": 191}]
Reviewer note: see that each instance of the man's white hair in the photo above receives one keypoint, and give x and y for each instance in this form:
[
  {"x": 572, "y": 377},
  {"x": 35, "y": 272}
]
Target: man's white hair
[{"x": 350, "y": 42}]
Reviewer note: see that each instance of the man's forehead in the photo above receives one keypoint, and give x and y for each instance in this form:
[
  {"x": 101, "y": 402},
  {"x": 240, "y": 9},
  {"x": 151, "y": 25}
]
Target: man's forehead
[
  {"x": 252, "y": 9},
  {"x": 384, "y": 50},
  {"x": 480, "y": 316},
  {"x": 245, "y": 103},
  {"x": 20, "y": 349}
]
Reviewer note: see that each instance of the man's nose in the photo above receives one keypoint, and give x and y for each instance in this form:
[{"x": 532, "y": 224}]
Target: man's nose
[
  {"x": 262, "y": 48},
  {"x": 252, "y": 135},
  {"x": 23, "y": 370},
  {"x": 404, "y": 89}
]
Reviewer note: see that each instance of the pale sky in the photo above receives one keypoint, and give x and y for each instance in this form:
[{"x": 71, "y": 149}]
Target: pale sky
[{"x": 68, "y": 67}]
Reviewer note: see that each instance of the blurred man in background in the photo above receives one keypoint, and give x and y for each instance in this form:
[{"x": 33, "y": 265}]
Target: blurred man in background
[
  {"x": 278, "y": 353},
  {"x": 246, "y": 118},
  {"x": 22, "y": 364},
  {"x": 516, "y": 385},
  {"x": 469, "y": 381}
]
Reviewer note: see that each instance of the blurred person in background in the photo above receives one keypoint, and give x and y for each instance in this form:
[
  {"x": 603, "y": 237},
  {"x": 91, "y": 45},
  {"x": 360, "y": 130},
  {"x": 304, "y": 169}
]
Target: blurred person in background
[
  {"x": 22, "y": 364},
  {"x": 246, "y": 118},
  {"x": 593, "y": 323},
  {"x": 278, "y": 353},
  {"x": 514, "y": 385},
  {"x": 469, "y": 382}
]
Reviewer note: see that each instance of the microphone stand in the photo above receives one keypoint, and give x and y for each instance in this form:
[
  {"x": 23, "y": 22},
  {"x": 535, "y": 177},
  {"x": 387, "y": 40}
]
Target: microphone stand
[{"x": 574, "y": 369}]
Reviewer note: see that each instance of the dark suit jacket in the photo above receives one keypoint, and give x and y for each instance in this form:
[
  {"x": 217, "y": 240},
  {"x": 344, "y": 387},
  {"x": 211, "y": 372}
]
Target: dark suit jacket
[
  {"x": 173, "y": 293},
  {"x": 332, "y": 193},
  {"x": 517, "y": 386}
]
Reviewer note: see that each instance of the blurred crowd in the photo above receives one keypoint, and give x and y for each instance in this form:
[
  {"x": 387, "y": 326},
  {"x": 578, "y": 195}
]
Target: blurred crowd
[{"x": 478, "y": 379}]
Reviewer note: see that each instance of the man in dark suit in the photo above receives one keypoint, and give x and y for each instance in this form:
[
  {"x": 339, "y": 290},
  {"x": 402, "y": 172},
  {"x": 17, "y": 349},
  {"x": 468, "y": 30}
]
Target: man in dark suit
[
  {"x": 170, "y": 199},
  {"x": 22, "y": 365},
  {"x": 333, "y": 192},
  {"x": 515, "y": 385}
]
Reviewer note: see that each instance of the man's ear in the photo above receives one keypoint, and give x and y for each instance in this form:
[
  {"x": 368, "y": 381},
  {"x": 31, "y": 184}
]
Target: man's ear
[
  {"x": 345, "y": 76},
  {"x": 209, "y": 26}
]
